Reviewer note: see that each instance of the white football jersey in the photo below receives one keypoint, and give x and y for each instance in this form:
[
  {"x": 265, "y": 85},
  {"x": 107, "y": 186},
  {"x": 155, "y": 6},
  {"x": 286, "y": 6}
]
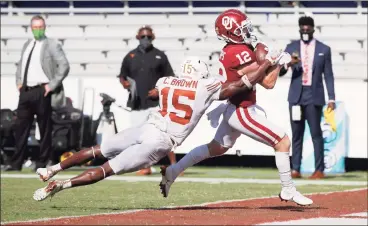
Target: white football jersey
[{"x": 183, "y": 101}]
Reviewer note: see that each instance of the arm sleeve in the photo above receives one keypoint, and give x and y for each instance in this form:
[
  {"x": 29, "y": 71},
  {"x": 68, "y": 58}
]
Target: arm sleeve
[
  {"x": 213, "y": 88},
  {"x": 124, "y": 70},
  {"x": 329, "y": 76},
  {"x": 62, "y": 64}
]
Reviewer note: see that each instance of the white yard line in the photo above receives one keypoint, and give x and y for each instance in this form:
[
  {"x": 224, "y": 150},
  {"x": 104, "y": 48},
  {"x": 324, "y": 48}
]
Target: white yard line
[
  {"x": 203, "y": 180},
  {"x": 322, "y": 221},
  {"x": 362, "y": 214},
  {"x": 171, "y": 207}
]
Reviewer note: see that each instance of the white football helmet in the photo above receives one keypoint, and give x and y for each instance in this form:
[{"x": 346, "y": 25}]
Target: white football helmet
[{"x": 193, "y": 67}]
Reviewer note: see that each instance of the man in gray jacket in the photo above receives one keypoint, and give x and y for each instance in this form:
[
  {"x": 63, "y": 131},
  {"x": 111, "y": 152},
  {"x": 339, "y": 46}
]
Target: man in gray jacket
[{"x": 39, "y": 76}]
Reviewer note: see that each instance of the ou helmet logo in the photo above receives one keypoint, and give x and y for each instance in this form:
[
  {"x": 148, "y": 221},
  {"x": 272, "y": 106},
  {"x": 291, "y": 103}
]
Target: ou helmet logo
[{"x": 227, "y": 22}]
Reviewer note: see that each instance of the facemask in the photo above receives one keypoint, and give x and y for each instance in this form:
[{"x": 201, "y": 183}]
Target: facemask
[
  {"x": 306, "y": 37},
  {"x": 38, "y": 33},
  {"x": 145, "y": 42}
]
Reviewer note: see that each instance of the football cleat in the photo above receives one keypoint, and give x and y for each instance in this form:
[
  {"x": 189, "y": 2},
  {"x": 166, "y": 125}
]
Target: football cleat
[
  {"x": 291, "y": 194},
  {"x": 45, "y": 174},
  {"x": 49, "y": 191},
  {"x": 166, "y": 180}
]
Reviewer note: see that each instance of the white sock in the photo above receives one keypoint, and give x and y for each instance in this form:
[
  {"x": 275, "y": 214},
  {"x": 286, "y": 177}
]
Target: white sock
[
  {"x": 67, "y": 184},
  {"x": 56, "y": 168},
  {"x": 283, "y": 165},
  {"x": 195, "y": 156}
]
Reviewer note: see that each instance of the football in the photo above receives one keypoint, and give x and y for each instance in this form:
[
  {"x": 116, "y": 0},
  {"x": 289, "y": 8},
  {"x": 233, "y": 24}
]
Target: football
[{"x": 261, "y": 51}]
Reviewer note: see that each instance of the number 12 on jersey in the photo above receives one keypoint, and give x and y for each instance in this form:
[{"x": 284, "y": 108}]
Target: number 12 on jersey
[{"x": 172, "y": 105}]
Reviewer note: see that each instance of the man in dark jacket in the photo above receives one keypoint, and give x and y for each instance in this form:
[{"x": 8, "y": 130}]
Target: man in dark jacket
[{"x": 141, "y": 69}]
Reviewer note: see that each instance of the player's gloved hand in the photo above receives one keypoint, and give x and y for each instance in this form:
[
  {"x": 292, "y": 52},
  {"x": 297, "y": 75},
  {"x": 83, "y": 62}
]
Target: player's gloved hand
[
  {"x": 274, "y": 55},
  {"x": 285, "y": 59}
]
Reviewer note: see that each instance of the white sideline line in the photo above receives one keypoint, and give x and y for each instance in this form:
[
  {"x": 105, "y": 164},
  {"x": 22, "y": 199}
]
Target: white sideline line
[
  {"x": 321, "y": 221},
  {"x": 362, "y": 214},
  {"x": 172, "y": 207},
  {"x": 203, "y": 180}
]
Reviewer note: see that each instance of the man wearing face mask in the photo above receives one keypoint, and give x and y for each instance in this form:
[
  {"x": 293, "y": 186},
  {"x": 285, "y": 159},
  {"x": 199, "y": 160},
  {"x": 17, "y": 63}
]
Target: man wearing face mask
[
  {"x": 311, "y": 60},
  {"x": 40, "y": 72},
  {"x": 141, "y": 69}
]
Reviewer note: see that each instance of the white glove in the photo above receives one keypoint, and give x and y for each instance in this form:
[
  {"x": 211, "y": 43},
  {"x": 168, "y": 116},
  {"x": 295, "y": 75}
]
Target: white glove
[
  {"x": 284, "y": 59},
  {"x": 274, "y": 55}
]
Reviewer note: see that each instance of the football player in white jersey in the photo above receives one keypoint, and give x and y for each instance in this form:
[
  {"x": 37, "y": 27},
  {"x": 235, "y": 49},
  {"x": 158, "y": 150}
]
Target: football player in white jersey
[{"x": 183, "y": 101}]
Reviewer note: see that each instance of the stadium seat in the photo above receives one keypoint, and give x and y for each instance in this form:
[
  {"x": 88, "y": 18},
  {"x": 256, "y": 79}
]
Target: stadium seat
[
  {"x": 162, "y": 44},
  {"x": 83, "y": 57},
  {"x": 280, "y": 32},
  {"x": 336, "y": 58},
  {"x": 283, "y": 19},
  {"x": 15, "y": 44},
  {"x": 257, "y": 19},
  {"x": 357, "y": 32},
  {"x": 62, "y": 32},
  {"x": 179, "y": 32},
  {"x": 343, "y": 45},
  {"x": 76, "y": 69},
  {"x": 104, "y": 69},
  {"x": 116, "y": 57},
  {"x": 96, "y": 44},
  {"x": 136, "y": 20},
  {"x": 191, "y": 20},
  {"x": 77, "y": 20},
  {"x": 9, "y": 32},
  {"x": 110, "y": 32},
  {"x": 209, "y": 46},
  {"x": 15, "y": 20},
  {"x": 11, "y": 57},
  {"x": 356, "y": 57},
  {"x": 350, "y": 71},
  {"x": 353, "y": 19},
  {"x": 8, "y": 68},
  {"x": 325, "y": 19}
]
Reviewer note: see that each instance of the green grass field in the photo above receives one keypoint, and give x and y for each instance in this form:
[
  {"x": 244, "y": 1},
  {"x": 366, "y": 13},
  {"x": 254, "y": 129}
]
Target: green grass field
[{"x": 115, "y": 196}]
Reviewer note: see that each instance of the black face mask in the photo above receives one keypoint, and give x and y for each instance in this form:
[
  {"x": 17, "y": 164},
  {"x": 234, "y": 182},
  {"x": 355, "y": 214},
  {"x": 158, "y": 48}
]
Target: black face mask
[
  {"x": 145, "y": 42},
  {"x": 306, "y": 36}
]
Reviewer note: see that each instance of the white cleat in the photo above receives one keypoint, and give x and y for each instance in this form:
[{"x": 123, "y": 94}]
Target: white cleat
[
  {"x": 45, "y": 174},
  {"x": 166, "y": 180},
  {"x": 50, "y": 190},
  {"x": 292, "y": 194}
]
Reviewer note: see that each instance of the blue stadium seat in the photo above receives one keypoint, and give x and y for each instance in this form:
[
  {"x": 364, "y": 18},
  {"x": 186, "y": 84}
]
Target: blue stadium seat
[
  {"x": 98, "y": 4},
  {"x": 157, "y": 4},
  {"x": 334, "y": 4},
  {"x": 41, "y": 4},
  {"x": 262, "y": 4},
  {"x": 216, "y": 3}
]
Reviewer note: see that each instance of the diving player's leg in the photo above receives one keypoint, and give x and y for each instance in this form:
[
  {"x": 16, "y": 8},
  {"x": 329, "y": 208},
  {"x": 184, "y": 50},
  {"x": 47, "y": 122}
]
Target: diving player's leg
[
  {"x": 76, "y": 159},
  {"x": 85, "y": 155},
  {"x": 250, "y": 122},
  {"x": 144, "y": 153}
]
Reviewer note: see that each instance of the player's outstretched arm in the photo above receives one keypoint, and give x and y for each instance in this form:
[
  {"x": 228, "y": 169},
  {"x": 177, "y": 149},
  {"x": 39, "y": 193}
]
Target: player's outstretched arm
[{"x": 246, "y": 83}]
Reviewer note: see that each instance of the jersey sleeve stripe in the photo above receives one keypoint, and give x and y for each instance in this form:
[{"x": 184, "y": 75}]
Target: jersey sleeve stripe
[
  {"x": 214, "y": 87},
  {"x": 211, "y": 87}
]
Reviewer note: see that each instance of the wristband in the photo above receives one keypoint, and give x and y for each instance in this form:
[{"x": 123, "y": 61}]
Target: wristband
[{"x": 244, "y": 78}]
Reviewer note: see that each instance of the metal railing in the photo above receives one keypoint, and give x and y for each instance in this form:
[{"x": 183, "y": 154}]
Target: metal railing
[{"x": 190, "y": 10}]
